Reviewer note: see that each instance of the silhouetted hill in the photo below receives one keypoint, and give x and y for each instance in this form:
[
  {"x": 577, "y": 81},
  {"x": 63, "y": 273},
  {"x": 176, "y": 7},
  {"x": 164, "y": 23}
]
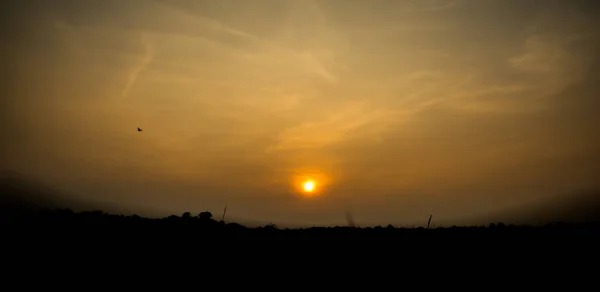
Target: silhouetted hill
[
  {"x": 20, "y": 197},
  {"x": 578, "y": 207}
]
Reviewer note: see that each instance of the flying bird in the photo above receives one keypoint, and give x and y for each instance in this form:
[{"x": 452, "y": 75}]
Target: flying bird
[{"x": 139, "y": 130}]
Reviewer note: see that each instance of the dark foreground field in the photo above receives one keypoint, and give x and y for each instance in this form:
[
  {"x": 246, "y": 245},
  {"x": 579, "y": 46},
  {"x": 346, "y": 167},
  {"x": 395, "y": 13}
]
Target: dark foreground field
[{"x": 203, "y": 225}]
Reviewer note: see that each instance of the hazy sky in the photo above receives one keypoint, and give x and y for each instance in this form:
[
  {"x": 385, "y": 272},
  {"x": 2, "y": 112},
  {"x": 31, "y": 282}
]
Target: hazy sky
[{"x": 396, "y": 108}]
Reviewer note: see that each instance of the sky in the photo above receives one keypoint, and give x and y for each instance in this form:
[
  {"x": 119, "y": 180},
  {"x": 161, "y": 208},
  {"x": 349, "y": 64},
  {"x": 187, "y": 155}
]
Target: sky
[{"x": 396, "y": 109}]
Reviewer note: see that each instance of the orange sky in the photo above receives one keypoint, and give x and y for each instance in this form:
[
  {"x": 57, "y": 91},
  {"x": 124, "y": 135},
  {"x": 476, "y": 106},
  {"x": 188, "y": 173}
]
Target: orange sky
[{"x": 397, "y": 109}]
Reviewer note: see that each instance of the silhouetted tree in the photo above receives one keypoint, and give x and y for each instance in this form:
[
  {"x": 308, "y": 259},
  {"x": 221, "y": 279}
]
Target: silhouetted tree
[
  {"x": 205, "y": 215},
  {"x": 186, "y": 215}
]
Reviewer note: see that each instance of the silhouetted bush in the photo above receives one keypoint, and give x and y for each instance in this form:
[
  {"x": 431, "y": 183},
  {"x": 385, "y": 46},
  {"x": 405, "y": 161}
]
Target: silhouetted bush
[{"x": 205, "y": 215}]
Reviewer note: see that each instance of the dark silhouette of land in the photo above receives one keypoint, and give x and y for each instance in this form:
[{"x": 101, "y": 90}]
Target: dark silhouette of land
[
  {"x": 29, "y": 206},
  {"x": 203, "y": 224}
]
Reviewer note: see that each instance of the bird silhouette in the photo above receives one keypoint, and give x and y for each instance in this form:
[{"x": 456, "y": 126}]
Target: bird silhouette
[{"x": 139, "y": 130}]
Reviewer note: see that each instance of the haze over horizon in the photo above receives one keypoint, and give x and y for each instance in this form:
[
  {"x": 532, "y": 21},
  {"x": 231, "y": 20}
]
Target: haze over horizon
[{"x": 396, "y": 109}]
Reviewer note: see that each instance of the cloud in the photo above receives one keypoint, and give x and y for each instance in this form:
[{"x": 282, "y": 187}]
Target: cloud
[
  {"x": 146, "y": 60},
  {"x": 331, "y": 129},
  {"x": 185, "y": 22},
  {"x": 442, "y": 5}
]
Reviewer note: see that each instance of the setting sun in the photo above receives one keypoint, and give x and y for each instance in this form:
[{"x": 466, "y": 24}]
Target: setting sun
[
  {"x": 309, "y": 182},
  {"x": 309, "y": 186}
]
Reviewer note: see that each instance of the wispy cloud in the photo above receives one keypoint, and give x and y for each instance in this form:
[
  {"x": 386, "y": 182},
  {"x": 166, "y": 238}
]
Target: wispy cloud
[
  {"x": 441, "y": 5},
  {"x": 192, "y": 24},
  {"x": 146, "y": 59},
  {"x": 330, "y": 129}
]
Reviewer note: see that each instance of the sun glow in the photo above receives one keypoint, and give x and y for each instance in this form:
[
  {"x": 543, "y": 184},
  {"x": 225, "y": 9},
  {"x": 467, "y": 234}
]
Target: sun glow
[
  {"x": 309, "y": 183},
  {"x": 309, "y": 186}
]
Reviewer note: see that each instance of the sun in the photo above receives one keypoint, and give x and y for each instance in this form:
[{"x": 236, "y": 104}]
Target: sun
[
  {"x": 309, "y": 183},
  {"x": 309, "y": 186}
]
